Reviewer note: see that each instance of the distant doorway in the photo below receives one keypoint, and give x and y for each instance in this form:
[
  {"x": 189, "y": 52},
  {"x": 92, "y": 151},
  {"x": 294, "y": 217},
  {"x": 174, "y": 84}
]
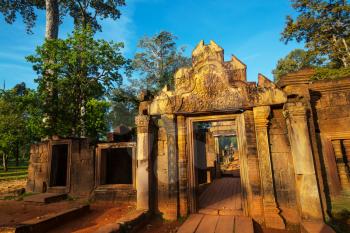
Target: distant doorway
[
  {"x": 216, "y": 167},
  {"x": 59, "y": 164}
]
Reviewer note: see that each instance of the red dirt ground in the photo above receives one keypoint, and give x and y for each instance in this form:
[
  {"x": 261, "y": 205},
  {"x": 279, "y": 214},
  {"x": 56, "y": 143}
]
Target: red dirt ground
[{"x": 13, "y": 212}]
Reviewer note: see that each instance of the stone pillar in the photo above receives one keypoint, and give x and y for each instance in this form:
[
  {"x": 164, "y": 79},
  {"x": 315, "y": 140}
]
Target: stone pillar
[
  {"x": 271, "y": 212},
  {"x": 170, "y": 212},
  {"x": 341, "y": 166},
  {"x": 143, "y": 159},
  {"x": 182, "y": 165},
  {"x": 304, "y": 169},
  {"x": 217, "y": 164}
]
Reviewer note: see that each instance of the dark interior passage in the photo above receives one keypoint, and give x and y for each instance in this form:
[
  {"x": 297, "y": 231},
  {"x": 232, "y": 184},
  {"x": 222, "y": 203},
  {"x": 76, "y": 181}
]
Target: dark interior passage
[
  {"x": 116, "y": 166},
  {"x": 59, "y": 160}
]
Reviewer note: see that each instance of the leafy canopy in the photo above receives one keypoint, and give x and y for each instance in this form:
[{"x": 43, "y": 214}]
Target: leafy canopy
[
  {"x": 155, "y": 64},
  {"x": 324, "y": 27},
  {"x": 81, "y": 72},
  {"x": 294, "y": 61},
  {"x": 158, "y": 60},
  {"x": 84, "y": 12},
  {"x": 20, "y": 119}
]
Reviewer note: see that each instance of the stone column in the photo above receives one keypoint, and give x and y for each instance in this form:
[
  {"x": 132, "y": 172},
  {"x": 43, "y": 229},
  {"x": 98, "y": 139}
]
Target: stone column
[
  {"x": 341, "y": 166},
  {"x": 271, "y": 212},
  {"x": 170, "y": 213},
  {"x": 143, "y": 157},
  {"x": 217, "y": 164},
  {"x": 182, "y": 165},
  {"x": 304, "y": 169}
]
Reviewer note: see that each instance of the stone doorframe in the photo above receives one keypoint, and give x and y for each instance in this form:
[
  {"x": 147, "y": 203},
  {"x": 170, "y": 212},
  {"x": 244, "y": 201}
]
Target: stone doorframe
[
  {"x": 69, "y": 163},
  {"x": 114, "y": 145},
  {"x": 192, "y": 203}
]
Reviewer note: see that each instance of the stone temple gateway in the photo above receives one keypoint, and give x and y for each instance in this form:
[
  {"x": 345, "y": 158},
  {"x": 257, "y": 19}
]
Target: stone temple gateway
[{"x": 218, "y": 144}]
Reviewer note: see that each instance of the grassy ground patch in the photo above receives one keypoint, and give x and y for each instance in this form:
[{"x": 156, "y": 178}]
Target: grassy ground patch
[{"x": 14, "y": 172}]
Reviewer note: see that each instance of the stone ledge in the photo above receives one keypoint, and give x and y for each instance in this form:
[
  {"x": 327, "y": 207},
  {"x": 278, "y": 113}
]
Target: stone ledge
[{"x": 44, "y": 223}]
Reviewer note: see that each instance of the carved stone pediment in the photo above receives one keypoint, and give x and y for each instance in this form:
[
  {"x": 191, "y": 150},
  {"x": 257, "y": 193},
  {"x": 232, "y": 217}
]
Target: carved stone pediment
[{"x": 213, "y": 85}]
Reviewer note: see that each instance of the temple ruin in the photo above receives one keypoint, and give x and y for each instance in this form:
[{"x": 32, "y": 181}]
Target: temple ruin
[{"x": 218, "y": 144}]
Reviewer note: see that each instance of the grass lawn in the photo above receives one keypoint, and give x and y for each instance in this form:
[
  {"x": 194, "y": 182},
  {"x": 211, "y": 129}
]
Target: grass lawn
[{"x": 14, "y": 173}]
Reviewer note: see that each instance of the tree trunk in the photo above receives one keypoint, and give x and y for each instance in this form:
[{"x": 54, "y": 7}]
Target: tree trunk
[
  {"x": 52, "y": 19},
  {"x": 17, "y": 155},
  {"x": 4, "y": 162}
]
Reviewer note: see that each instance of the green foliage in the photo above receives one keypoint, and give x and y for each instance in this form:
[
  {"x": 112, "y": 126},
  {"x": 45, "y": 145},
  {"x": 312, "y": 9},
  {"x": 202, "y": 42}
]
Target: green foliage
[
  {"x": 157, "y": 61},
  {"x": 11, "y": 8},
  {"x": 96, "y": 118},
  {"x": 155, "y": 65},
  {"x": 330, "y": 74},
  {"x": 80, "y": 69},
  {"x": 83, "y": 12},
  {"x": 124, "y": 106},
  {"x": 294, "y": 61},
  {"x": 89, "y": 12},
  {"x": 20, "y": 121},
  {"x": 324, "y": 27}
]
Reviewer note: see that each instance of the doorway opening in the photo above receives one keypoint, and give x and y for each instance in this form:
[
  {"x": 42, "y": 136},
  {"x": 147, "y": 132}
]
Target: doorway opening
[
  {"x": 116, "y": 166},
  {"x": 59, "y": 165},
  {"x": 217, "y": 167}
]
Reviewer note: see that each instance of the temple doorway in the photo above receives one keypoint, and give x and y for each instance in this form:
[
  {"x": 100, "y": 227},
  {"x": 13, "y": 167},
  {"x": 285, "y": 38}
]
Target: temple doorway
[
  {"x": 59, "y": 165},
  {"x": 116, "y": 166},
  {"x": 217, "y": 167}
]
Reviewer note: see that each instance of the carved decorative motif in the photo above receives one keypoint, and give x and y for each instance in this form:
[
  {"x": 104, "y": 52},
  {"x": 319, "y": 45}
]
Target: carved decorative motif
[
  {"x": 142, "y": 123},
  {"x": 212, "y": 84}
]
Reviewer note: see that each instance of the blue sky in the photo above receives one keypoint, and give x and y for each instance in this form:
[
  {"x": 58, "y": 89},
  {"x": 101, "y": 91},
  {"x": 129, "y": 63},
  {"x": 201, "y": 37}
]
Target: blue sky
[{"x": 248, "y": 29}]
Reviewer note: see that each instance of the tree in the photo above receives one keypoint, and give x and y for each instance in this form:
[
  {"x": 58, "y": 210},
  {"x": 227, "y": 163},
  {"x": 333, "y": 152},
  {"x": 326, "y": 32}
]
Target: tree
[
  {"x": 155, "y": 65},
  {"x": 324, "y": 26},
  {"x": 124, "y": 106},
  {"x": 82, "y": 69},
  {"x": 84, "y": 12},
  {"x": 157, "y": 61},
  {"x": 294, "y": 61},
  {"x": 19, "y": 121}
]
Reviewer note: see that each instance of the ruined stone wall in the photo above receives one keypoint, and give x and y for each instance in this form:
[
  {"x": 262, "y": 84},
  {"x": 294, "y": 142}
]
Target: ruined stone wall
[
  {"x": 82, "y": 168},
  {"x": 38, "y": 168},
  {"x": 283, "y": 168},
  {"x": 330, "y": 103}
]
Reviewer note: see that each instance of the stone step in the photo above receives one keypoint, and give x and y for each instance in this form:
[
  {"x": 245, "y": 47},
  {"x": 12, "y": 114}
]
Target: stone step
[{"x": 46, "y": 198}]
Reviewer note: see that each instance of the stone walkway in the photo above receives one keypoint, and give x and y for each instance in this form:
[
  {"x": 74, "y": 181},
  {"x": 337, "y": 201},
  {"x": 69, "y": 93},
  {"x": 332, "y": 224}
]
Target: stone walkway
[
  {"x": 222, "y": 197},
  {"x": 201, "y": 223},
  {"x": 220, "y": 210}
]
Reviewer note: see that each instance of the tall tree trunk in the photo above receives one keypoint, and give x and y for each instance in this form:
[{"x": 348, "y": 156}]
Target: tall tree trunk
[
  {"x": 17, "y": 155},
  {"x": 52, "y": 19},
  {"x": 51, "y": 32},
  {"x": 4, "y": 162}
]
